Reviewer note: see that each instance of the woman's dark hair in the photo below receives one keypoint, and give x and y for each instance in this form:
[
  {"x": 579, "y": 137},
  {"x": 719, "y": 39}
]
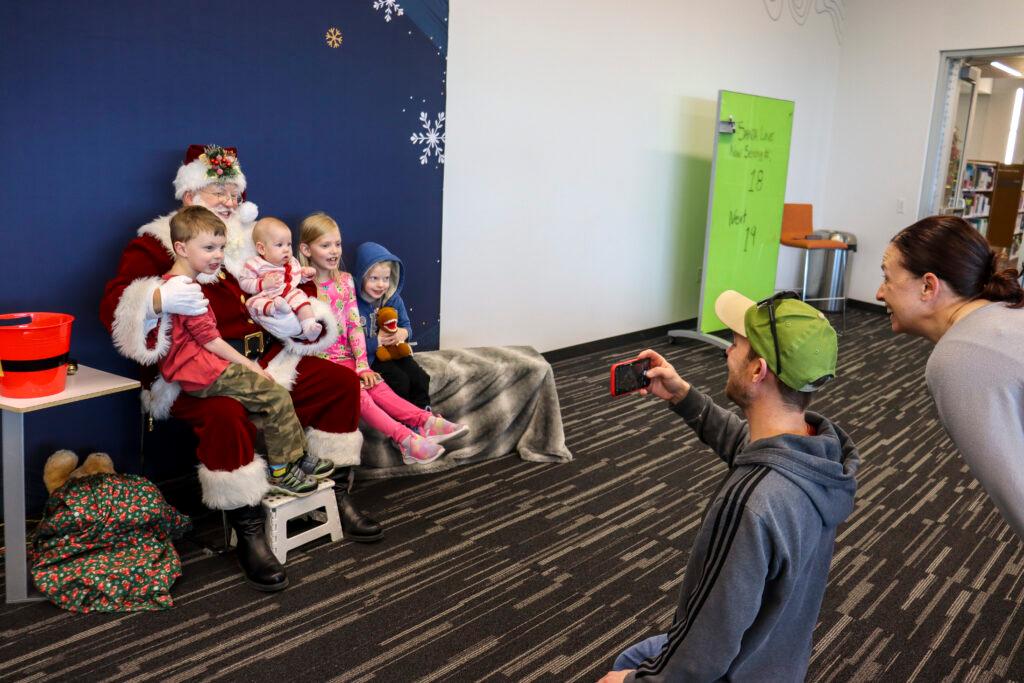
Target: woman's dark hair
[{"x": 951, "y": 249}]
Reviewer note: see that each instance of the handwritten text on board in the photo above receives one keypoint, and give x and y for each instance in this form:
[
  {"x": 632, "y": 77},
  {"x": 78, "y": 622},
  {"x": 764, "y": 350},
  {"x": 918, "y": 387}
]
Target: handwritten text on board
[{"x": 748, "y": 188}]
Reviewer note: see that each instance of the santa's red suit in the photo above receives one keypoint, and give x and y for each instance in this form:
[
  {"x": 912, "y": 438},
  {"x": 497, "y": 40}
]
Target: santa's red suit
[{"x": 325, "y": 395}]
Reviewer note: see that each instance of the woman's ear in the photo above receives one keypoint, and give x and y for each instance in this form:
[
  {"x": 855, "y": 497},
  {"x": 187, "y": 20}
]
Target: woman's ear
[{"x": 930, "y": 286}]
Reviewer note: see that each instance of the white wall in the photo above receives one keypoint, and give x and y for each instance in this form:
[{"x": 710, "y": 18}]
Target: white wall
[
  {"x": 887, "y": 83},
  {"x": 992, "y": 123},
  {"x": 981, "y": 132},
  {"x": 579, "y": 138}
]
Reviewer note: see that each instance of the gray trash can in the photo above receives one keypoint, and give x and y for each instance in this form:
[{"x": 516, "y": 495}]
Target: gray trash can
[{"x": 827, "y": 271}]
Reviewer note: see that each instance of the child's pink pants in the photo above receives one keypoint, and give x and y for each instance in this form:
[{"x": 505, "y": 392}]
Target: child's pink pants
[{"x": 387, "y": 412}]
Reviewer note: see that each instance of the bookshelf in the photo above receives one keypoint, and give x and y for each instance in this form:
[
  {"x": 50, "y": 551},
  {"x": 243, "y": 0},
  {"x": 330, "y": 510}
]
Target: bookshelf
[
  {"x": 976, "y": 190},
  {"x": 1016, "y": 253},
  {"x": 991, "y": 195}
]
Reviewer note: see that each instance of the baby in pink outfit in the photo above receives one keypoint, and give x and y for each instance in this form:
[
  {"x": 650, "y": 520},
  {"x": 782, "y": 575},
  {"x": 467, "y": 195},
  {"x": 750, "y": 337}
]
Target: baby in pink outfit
[{"x": 274, "y": 276}]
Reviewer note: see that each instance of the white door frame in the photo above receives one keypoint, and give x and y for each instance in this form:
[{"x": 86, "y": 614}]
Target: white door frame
[{"x": 943, "y": 114}]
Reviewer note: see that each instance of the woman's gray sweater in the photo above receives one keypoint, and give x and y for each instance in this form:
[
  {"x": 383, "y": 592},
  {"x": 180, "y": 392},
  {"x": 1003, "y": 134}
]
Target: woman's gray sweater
[{"x": 976, "y": 376}]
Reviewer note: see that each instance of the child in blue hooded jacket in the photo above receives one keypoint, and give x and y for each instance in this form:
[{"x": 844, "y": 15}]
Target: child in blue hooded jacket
[{"x": 380, "y": 277}]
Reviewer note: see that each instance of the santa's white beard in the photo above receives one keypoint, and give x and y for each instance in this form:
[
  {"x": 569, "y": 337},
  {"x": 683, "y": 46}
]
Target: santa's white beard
[
  {"x": 218, "y": 209},
  {"x": 239, "y": 246}
]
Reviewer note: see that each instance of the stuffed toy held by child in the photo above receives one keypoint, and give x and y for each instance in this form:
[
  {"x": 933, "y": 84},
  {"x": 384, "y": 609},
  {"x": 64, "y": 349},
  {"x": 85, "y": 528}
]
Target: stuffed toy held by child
[
  {"x": 63, "y": 465},
  {"x": 387, "y": 320}
]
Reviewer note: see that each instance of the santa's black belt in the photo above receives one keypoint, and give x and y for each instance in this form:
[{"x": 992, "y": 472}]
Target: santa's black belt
[{"x": 252, "y": 346}]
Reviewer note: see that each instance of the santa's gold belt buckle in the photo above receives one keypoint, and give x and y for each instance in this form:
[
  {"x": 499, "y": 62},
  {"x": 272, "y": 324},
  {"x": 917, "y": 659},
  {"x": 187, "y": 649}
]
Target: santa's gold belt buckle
[{"x": 252, "y": 345}]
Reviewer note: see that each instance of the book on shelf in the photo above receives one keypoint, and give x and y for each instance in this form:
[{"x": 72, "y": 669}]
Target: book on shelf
[{"x": 978, "y": 176}]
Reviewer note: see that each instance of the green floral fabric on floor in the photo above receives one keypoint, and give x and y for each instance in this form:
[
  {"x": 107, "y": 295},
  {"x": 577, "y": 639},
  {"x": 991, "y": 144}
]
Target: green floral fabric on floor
[{"x": 104, "y": 545}]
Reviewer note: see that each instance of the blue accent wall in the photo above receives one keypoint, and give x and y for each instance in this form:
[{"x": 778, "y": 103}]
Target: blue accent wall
[{"x": 98, "y": 102}]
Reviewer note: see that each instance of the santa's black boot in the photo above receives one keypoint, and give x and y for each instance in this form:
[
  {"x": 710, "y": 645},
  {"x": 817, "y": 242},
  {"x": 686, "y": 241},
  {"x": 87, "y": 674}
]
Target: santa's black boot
[
  {"x": 354, "y": 524},
  {"x": 261, "y": 568}
]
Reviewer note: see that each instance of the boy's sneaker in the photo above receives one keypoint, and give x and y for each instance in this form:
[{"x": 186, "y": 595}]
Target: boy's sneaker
[
  {"x": 292, "y": 482},
  {"x": 318, "y": 468},
  {"x": 418, "y": 450},
  {"x": 438, "y": 429}
]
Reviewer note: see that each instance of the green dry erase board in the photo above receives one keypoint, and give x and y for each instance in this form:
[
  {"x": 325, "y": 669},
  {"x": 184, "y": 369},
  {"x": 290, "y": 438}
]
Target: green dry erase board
[{"x": 748, "y": 189}]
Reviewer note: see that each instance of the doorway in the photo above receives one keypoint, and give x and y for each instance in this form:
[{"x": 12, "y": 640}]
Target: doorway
[{"x": 975, "y": 166}]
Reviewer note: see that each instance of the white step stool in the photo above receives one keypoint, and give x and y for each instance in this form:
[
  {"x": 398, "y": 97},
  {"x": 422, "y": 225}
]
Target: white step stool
[{"x": 279, "y": 508}]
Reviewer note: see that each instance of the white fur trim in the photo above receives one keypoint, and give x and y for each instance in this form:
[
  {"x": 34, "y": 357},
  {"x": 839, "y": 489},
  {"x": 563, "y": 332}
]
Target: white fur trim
[
  {"x": 341, "y": 448},
  {"x": 160, "y": 228},
  {"x": 129, "y": 327},
  {"x": 208, "y": 278},
  {"x": 284, "y": 369},
  {"x": 247, "y": 212},
  {"x": 192, "y": 177},
  {"x": 323, "y": 314},
  {"x": 158, "y": 399},
  {"x": 227, "y": 490}
]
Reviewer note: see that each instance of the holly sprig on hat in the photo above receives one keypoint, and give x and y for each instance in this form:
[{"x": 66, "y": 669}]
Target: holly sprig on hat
[{"x": 221, "y": 165}]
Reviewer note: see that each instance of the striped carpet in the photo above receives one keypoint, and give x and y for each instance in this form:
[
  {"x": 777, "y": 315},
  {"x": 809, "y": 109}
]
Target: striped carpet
[{"x": 512, "y": 571}]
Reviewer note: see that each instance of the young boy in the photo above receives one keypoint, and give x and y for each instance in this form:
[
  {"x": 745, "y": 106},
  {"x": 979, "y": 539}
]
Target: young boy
[
  {"x": 273, "y": 278},
  {"x": 379, "y": 276},
  {"x": 205, "y": 365}
]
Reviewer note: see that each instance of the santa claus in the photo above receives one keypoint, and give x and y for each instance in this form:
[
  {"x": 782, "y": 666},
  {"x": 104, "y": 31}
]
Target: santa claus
[{"x": 135, "y": 309}]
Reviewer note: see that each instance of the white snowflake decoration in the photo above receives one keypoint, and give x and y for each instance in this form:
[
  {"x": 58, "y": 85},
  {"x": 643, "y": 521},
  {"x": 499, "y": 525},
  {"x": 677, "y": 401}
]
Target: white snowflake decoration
[
  {"x": 390, "y": 6},
  {"x": 431, "y": 139}
]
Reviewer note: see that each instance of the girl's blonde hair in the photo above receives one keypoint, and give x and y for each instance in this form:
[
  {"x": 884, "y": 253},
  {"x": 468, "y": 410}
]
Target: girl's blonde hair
[{"x": 313, "y": 227}]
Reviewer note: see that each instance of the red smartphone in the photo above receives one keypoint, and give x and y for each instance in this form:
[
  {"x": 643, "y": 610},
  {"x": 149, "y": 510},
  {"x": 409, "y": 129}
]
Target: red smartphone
[{"x": 630, "y": 375}]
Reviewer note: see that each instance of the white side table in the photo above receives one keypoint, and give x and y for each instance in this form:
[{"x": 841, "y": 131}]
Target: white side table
[{"x": 87, "y": 383}]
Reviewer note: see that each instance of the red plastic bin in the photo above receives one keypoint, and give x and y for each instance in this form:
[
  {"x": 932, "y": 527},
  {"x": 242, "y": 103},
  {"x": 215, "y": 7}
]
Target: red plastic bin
[{"x": 34, "y": 353}]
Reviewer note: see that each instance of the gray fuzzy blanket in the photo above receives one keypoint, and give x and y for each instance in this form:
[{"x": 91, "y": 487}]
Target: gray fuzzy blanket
[{"x": 505, "y": 394}]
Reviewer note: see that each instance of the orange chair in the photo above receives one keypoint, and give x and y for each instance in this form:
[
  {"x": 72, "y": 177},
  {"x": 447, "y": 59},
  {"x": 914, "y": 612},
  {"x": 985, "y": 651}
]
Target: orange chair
[{"x": 797, "y": 225}]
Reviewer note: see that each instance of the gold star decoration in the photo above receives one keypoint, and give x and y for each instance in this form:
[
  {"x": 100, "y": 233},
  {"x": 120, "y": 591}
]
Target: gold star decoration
[{"x": 333, "y": 37}]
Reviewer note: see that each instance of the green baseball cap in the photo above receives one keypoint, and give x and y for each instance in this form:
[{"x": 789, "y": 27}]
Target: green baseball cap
[{"x": 807, "y": 342}]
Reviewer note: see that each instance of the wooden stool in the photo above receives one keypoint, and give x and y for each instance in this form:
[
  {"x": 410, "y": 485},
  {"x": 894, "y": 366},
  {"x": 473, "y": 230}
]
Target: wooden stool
[{"x": 279, "y": 508}]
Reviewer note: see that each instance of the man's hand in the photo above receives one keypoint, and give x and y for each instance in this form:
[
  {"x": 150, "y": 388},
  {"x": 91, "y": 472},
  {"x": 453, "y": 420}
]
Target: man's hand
[
  {"x": 181, "y": 296},
  {"x": 665, "y": 381},
  {"x": 272, "y": 281},
  {"x": 387, "y": 338},
  {"x": 370, "y": 379},
  {"x": 616, "y": 676}
]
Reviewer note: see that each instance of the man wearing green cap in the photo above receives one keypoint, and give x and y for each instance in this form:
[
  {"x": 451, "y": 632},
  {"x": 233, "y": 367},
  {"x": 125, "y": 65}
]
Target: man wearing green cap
[{"x": 757, "y": 572}]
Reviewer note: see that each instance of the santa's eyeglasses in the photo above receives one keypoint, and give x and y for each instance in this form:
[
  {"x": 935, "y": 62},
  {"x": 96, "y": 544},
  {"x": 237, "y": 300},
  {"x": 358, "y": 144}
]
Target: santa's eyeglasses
[{"x": 222, "y": 196}]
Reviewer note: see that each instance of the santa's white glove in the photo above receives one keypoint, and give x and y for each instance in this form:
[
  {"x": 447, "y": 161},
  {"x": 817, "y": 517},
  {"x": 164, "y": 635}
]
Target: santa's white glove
[
  {"x": 282, "y": 328},
  {"x": 182, "y": 296}
]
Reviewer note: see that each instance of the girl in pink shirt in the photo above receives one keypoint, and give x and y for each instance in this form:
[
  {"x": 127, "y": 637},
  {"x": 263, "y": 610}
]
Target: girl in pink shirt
[{"x": 417, "y": 432}]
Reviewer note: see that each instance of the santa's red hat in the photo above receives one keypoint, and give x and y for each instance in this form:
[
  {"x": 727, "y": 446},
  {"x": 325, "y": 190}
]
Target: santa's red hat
[{"x": 207, "y": 164}]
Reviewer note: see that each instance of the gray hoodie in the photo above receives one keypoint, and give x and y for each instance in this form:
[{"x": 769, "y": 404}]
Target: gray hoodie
[{"x": 758, "y": 568}]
